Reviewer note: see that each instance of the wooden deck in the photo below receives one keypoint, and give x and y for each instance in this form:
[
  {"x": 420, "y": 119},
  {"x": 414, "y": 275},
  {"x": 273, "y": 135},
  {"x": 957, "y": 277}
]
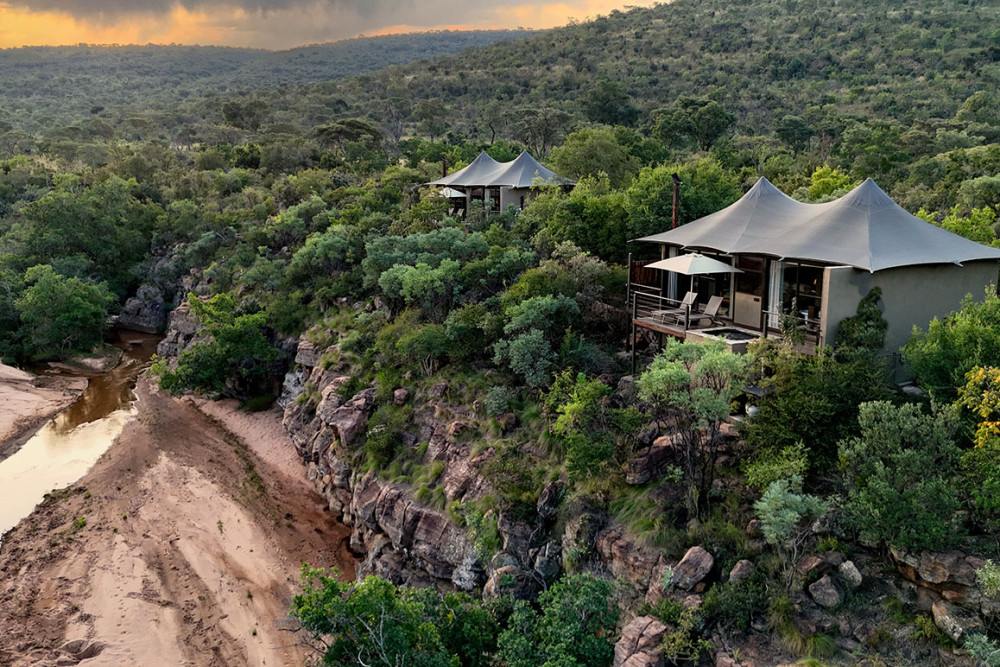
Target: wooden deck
[{"x": 653, "y": 324}]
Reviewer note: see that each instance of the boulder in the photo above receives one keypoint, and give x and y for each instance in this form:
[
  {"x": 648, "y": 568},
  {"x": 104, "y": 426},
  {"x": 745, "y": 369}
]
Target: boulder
[
  {"x": 740, "y": 571},
  {"x": 548, "y": 499},
  {"x": 956, "y": 622},
  {"x": 145, "y": 311},
  {"x": 400, "y": 396},
  {"x": 692, "y": 569},
  {"x": 639, "y": 645},
  {"x": 809, "y": 618},
  {"x": 548, "y": 562},
  {"x": 307, "y": 354},
  {"x": 826, "y": 593},
  {"x": 754, "y": 528},
  {"x": 850, "y": 575},
  {"x": 626, "y": 558},
  {"x": 652, "y": 463},
  {"x": 807, "y": 564}
]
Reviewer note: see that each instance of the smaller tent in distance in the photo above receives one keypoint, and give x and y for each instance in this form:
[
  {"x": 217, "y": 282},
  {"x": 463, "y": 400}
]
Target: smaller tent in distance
[{"x": 501, "y": 184}]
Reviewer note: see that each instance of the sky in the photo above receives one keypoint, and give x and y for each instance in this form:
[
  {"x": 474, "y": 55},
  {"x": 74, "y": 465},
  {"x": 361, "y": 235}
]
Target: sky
[{"x": 271, "y": 24}]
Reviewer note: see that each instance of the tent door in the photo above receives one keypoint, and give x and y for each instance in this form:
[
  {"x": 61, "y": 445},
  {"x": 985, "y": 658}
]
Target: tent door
[{"x": 748, "y": 297}]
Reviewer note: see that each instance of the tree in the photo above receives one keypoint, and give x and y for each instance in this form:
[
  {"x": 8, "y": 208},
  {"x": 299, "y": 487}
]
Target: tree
[
  {"x": 900, "y": 476},
  {"x": 608, "y": 103},
  {"x": 693, "y": 385},
  {"x": 539, "y": 128},
  {"x": 233, "y": 361},
  {"x": 60, "y": 315},
  {"x": 782, "y": 510},
  {"x": 980, "y": 396},
  {"x": 794, "y": 131},
  {"x": 689, "y": 118},
  {"x": 827, "y": 183},
  {"x": 374, "y": 623},
  {"x": 574, "y": 628},
  {"x": 430, "y": 114},
  {"x": 592, "y": 151},
  {"x": 983, "y": 191}
]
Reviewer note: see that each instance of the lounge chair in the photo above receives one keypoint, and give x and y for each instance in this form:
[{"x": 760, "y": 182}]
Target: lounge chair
[
  {"x": 711, "y": 312},
  {"x": 677, "y": 313}
]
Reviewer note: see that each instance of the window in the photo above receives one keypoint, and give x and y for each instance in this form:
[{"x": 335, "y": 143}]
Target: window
[{"x": 804, "y": 284}]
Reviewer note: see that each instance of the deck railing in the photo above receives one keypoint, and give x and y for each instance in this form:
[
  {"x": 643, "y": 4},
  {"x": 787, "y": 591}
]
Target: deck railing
[{"x": 646, "y": 304}]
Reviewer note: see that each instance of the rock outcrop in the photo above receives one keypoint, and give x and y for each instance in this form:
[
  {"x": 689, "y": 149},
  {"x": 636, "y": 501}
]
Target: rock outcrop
[
  {"x": 145, "y": 311},
  {"x": 692, "y": 570},
  {"x": 639, "y": 645},
  {"x": 402, "y": 539}
]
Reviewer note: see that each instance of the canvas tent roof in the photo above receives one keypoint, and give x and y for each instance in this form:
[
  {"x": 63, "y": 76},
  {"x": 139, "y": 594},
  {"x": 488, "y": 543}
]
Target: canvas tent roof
[
  {"x": 865, "y": 228},
  {"x": 478, "y": 172},
  {"x": 523, "y": 171},
  {"x": 484, "y": 171}
]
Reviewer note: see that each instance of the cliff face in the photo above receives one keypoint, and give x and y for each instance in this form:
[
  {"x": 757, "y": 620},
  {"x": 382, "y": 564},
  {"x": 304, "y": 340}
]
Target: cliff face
[
  {"x": 401, "y": 539},
  {"x": 408, "y": 541}
]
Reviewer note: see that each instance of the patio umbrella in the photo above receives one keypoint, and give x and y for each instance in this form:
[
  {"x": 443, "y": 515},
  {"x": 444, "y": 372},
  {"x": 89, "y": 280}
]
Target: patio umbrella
[{"x": 693, "y": 264}]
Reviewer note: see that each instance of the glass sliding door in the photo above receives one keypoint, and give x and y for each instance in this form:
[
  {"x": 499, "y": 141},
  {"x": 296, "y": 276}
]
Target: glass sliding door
[{"x": 749, "y": 293}]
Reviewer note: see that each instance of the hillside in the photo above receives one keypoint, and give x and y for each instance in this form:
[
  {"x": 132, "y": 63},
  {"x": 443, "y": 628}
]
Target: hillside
[
  {"x": 913, "y": 60},
  {"x": 46, "y": 85}
]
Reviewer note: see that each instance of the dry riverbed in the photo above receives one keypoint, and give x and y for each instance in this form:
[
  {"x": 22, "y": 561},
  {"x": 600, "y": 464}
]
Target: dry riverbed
[
  {"x": 29, "y": 401},
  {"x": 182, "y": 546}
]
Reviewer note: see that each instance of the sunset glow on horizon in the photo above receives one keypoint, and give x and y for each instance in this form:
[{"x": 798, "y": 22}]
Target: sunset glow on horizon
[{"x": 277, "y": 24}]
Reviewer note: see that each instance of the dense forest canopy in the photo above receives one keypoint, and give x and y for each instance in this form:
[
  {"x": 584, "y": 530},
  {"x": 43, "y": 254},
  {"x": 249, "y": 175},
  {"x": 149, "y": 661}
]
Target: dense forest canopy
[{"x": 63, "y": 84}]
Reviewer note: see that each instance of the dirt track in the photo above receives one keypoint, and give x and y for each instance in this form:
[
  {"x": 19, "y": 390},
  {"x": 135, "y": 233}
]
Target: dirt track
[{"x": 182, "y": 546}]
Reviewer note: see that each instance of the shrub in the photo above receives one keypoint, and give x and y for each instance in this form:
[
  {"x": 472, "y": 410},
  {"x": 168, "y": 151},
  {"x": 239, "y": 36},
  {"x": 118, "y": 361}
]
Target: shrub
[
  {"x": 736, "y": 605},
  {"x": 693, "y": 384},
  {"x": 499, "y": 400},
  {"x": 942, "y": 355},
  {"x": 810, "y": 400},
  {"x": 783, "y": 509},
  {"x": 988, "y": 578},
  {"x": 529, "y": 355},
  {"x": 771, "y": 465},
  {"x": 899, "y": 473},
  {"x": 384, "y": 434},
  {"x": 575, "y": 626},
  {"x": 983, "y": 649}
]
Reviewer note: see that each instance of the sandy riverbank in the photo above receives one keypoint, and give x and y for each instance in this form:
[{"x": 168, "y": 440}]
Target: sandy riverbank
[
  {"x": 29, "y": 401},
  {"x": 188, "y": 555}
]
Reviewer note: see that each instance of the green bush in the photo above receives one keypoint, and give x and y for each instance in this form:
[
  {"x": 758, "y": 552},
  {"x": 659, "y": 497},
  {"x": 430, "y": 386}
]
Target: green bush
[
  {"x": 900, "y": 476},
  {"x": 574, "y": 627},
  {"x": 736, "y": 605},
  {"x": 951, "y": 347},
  {"x": 499, "y": 399},
  {"x": 383, "y": 437},
  {"x": 771, "y": 465},
  {"x": 812, "y": 400}
]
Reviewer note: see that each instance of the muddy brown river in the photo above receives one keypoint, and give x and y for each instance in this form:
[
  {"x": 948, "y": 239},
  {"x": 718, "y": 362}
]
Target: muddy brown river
[{"x": 63, "y": 450}]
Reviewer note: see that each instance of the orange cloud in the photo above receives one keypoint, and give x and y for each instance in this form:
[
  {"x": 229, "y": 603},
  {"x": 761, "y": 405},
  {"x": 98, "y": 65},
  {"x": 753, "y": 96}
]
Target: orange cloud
[
  {"x": 309, "y": 23},
  {"x": 25, "y": 28}
]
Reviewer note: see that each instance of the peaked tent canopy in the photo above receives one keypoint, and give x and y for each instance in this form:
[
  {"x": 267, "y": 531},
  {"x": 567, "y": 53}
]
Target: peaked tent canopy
[
  {"x": 484, "y": 171},
  {"x": 865, "y": 228},
  {"x": 522, "y": 172},
  {"x": 479, "y": 172}
]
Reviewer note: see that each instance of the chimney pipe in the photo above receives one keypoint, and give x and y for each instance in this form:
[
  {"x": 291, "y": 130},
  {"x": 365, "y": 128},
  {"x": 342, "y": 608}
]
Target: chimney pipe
[
  {"x": 444, "y": 167},
  {"x": 677, "y": 192}
]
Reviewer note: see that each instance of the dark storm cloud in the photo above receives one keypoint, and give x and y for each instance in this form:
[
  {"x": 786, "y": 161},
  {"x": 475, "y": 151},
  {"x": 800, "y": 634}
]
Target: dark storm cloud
[{"x": 117, "y": 8}]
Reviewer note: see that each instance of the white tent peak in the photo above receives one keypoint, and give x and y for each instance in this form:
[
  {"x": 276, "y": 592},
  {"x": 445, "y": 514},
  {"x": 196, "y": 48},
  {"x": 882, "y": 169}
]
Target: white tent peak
[{"x": 520, "y": 172}]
